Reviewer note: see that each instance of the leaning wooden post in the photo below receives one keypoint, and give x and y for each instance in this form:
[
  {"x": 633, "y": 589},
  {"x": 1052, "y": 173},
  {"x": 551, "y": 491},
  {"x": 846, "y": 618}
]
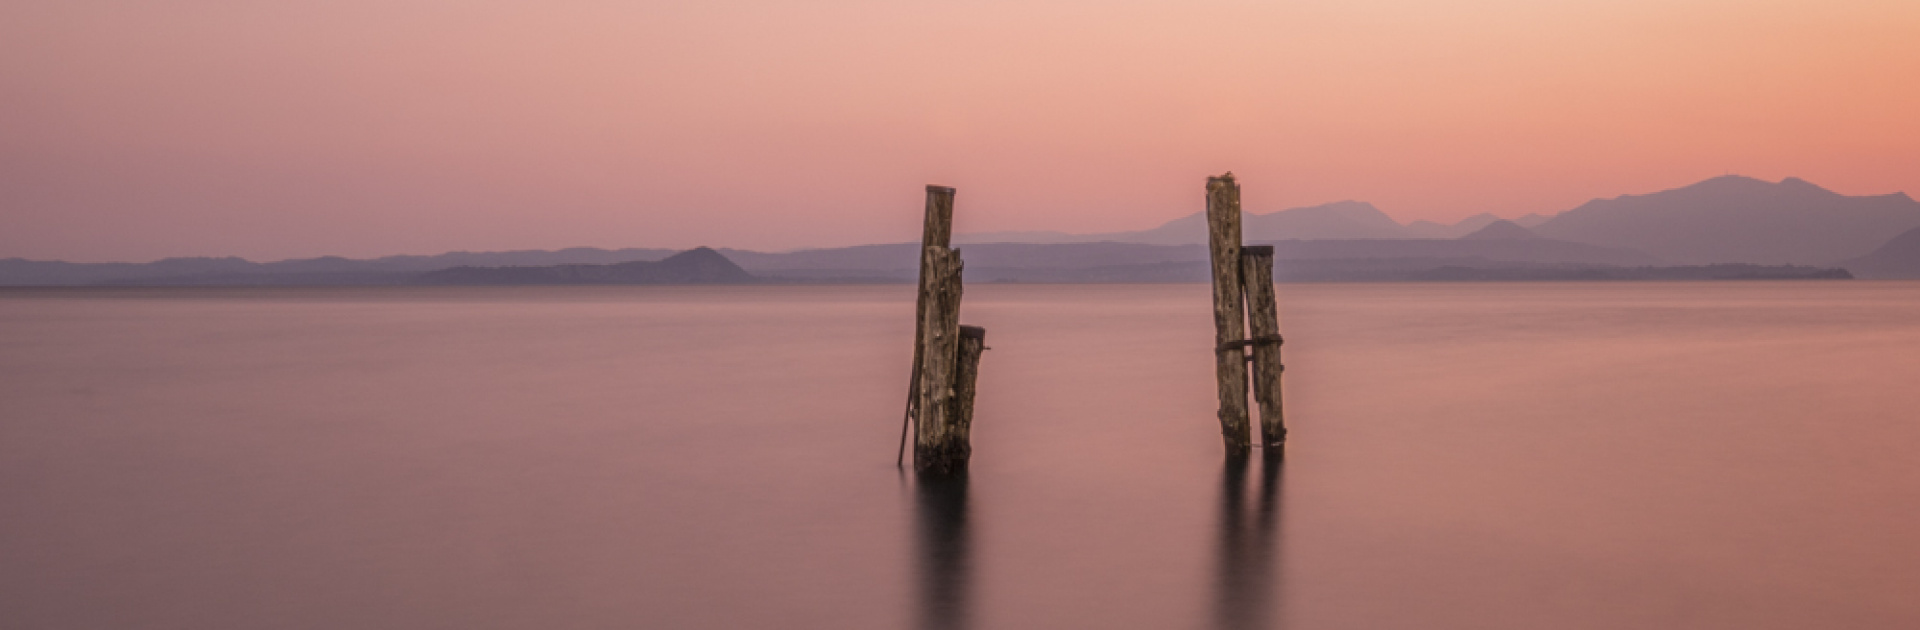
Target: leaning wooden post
[
  {"x": 1230, "y": 365},
  {"x": 1263, "y": 324},
  {"x": 937, "y": 232},
  {"x": 935, "y": 450}
]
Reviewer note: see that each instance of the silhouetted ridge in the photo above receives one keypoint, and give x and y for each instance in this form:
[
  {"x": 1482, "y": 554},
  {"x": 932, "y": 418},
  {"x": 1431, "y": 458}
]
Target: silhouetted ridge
[
  {"x": 699, "y": 265},
  {"x": 1740, "y": 219},
  {"x": 1898, "y": 258}
]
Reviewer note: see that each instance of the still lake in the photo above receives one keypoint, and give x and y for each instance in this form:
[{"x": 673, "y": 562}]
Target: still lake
[{"x": 1633, "y": 455}]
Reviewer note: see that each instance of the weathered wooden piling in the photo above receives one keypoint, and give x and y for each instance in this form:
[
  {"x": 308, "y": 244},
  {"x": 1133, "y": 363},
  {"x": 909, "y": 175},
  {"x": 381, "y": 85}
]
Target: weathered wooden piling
[
  {"x": 937, "y": 232},
  {"x": 1263, "y": 326},
  {"x": 1230, "y": 365},
  {"x": 966, "y": 371},
  {"x": 940, "y": 446}
]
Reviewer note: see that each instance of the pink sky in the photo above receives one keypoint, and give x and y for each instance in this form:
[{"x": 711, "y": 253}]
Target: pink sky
[{"x": 137, "y": 130}]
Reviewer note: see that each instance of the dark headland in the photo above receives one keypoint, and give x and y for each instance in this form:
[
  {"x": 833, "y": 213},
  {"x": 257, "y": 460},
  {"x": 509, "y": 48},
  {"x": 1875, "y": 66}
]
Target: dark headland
[{"x": 699, "y": 265}]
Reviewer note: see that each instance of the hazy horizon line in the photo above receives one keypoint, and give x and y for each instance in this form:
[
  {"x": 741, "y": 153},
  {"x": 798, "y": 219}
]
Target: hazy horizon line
[{"x": 803, "y": 248}]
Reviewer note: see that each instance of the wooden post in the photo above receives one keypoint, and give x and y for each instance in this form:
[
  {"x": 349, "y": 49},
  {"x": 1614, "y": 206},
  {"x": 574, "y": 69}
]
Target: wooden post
[
  {"x": 1263, "y": 324},
  {"x": 966, "y": 370},
  {"x": 937, "y": 232},
  {"x": 1230, "y": 365},
  {"x": 935, "y": 449}
]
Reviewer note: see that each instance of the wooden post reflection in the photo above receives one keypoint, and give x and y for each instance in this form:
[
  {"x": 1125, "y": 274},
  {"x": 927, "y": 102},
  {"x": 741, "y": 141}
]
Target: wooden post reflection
[
  {"x": 1245, "y": 587},
  {"x": 945, "y": 562}
]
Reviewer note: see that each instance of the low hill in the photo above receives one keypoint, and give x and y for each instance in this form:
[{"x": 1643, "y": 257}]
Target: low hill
[
  {"x": 700, "y": 265},
  {"x": 326, "y": 270}
]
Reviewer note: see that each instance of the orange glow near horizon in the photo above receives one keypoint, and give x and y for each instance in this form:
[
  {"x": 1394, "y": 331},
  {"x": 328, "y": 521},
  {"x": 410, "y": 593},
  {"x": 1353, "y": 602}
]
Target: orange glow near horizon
[{"x": 273, "y": 130}]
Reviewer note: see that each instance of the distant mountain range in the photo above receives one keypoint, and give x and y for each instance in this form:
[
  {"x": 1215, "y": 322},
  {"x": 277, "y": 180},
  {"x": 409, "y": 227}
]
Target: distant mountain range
[
  {"x": 1729, "y": 219},
  {"x": 1725, "y": 227},
  {"x": 1739, "y": 219}
]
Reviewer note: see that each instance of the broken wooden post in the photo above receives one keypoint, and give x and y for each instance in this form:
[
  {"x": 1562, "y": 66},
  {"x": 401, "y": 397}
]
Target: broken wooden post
[
  {"x": 1263, "y": 327},
  {"x": 1230, "y": 365},
  {"x": 937, "y": 232},
  {"x": 966, "y": 370},
  {"x": 938, "y": 447}
]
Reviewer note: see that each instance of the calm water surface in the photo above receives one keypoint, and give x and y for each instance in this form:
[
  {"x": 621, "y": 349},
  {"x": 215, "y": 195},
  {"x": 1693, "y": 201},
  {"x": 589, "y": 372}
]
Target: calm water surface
[{"x": 1685, "y": 455}]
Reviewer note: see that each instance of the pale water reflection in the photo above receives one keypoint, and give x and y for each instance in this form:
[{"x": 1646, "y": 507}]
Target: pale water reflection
[{"x": 1681, "y": 455}]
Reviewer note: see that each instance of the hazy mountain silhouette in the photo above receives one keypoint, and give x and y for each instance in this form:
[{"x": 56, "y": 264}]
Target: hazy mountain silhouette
[
  {"x": 1499, "y": 253},
  {"x": 1533, "y": 219},
  {"x": 1342, "y": 220},
  {"x": 1898, "y": 258},
  {"x": 1720, "y": 220},
  {"x": 1303, "y": 260},
  {"x": 700, "y": 265},
  {"x": 1501, "y": 230},
  {"x": 1740, "y": 219},
  {"x": 1338, "y": 220},
  {"x": 1469, "y": 225}
]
